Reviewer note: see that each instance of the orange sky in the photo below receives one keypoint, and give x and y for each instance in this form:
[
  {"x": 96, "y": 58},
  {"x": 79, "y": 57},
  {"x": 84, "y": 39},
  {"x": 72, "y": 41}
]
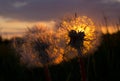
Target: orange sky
[
  {"x": 110, "y": 29},
  {"x": 10, "y": 27}
]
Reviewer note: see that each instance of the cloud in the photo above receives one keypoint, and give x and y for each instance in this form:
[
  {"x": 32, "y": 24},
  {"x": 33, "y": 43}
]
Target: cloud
[
  {"x": 37, "y": 10},
  {"x": 107, "y": 1},
  {"x": 19, "y": 4}
]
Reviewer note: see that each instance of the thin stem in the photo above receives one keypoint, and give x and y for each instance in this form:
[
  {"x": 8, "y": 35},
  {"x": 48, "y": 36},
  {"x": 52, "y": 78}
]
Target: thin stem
[
  {"x": 47, "y": 73},
  {"x": 82, "y": 67}
]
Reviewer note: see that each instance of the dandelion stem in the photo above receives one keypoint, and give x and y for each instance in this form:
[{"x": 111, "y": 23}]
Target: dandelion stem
[
  {"x": 47, "y": 73},
  {"x": 82, "y": 66},
  {"x": 82, "y": 69}
]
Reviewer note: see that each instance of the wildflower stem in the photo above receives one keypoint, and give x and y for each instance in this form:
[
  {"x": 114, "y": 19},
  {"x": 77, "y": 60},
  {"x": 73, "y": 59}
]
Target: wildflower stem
[
  {"x": 47, "y": 73},
  {"x": 82, "y": 69},
  {"x": 82, "y": 66}
]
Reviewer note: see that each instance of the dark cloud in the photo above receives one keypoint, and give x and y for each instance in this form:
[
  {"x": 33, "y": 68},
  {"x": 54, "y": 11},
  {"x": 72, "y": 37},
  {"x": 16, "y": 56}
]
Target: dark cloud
[{"x": 34, "y": 10}]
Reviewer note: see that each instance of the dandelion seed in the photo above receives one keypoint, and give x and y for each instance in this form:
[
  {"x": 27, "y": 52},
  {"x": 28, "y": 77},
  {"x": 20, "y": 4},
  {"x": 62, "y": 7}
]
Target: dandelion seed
[
  {"x": 40, "y": 46},
  {"x": 79, "y": 33},
  {"x": 81, "y": 38}
]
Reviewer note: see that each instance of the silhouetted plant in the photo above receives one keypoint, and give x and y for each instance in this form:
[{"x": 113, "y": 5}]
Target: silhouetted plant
[
  {"x": 81, "y": 38},
  {"x": 40, "y": 47},
  {"x": 0, "y": 39},
  {"x": 79, "y": 33}
]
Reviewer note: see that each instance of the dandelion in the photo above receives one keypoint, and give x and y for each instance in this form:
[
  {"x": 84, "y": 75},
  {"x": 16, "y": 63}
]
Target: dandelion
[
  {"x": 80, "y": 37},
  {"x": 40, "y": 47},
  {"x": 79, "y": 34}
]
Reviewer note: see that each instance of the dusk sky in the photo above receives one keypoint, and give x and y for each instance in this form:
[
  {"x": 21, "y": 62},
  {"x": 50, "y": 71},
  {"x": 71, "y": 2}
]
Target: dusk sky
[{"x": 16, "y": 15}]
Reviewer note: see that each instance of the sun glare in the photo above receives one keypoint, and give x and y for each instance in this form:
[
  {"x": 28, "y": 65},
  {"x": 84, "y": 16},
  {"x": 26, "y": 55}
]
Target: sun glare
[{"x": 80, "y": 24}]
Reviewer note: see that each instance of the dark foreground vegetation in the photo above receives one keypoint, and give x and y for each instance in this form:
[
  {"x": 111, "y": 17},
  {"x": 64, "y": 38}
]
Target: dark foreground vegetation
[{"x": 103, "y": 65}]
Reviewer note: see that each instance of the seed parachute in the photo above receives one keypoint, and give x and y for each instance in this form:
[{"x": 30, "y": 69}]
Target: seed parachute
[
  {"x": 80, "y": 36},
  {"x": 40, "y": 46}
]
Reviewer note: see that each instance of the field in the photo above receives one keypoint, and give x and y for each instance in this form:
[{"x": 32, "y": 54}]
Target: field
[{"x": 103, "y": 65}]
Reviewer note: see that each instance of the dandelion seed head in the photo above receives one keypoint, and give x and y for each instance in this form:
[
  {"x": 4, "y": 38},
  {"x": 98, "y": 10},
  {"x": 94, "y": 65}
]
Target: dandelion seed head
[
  {"x": 77, "y": 25},
  {"x": 41, "y": 46}
]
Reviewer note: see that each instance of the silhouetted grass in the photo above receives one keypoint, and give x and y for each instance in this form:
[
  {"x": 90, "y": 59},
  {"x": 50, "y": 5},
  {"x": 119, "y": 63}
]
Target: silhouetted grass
[{"x": 104, "y": 64}]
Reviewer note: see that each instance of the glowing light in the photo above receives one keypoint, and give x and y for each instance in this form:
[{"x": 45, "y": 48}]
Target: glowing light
[
  {"x": 110, "y": 29},
  {"x": 43, "y": 45},
  {"x": 40, "y": 46},
  {"x": 79, "y": 24}
]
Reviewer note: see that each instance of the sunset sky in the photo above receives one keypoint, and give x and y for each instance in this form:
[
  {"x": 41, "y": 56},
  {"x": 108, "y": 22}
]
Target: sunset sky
[{"x": 17, "y": 15}]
